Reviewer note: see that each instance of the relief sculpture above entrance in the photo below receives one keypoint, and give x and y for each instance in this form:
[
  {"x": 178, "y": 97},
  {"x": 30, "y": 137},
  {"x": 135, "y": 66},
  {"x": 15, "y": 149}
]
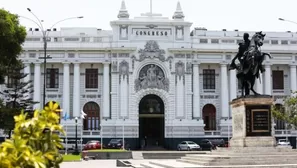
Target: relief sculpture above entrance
[
  {"x": 151, "y": 76},
  {"x": 151, "y": 50}
]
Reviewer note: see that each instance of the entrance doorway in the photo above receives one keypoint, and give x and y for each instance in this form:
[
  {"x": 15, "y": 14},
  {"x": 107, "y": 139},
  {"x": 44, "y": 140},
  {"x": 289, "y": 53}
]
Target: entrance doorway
[{"x": 151, "y": 122}]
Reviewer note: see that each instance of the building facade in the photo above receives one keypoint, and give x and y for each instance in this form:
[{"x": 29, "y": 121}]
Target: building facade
[{"x": 152, "y": 78}]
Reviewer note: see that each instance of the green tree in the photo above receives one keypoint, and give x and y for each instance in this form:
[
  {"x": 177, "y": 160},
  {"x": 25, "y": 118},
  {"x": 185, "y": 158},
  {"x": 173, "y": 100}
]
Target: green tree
[
  {"x": 35, "y": 141},
  {"x": 18, "y": 97},
  {"x": 12, "y": 36},
  {"x": 288, "y": 112}
]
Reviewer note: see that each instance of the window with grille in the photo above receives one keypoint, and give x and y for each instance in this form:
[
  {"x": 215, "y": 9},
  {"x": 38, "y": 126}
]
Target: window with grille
[
  {"x": 52, "y": 78},
  {"x": 209, "y": 79},
  {"x": 278, "y": 79},
  {"x": 91, "y": 78},
  {"x": 12, "y": 80}
]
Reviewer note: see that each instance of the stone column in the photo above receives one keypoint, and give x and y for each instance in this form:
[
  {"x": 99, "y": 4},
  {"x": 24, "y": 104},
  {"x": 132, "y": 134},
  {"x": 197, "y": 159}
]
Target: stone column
[
  {"x": 180, "y": 90},
  {"x": 124, "y": 95},
  {"x": 259, "y": 84},
  {"x": 76, "y": 90},
  {"x": 106, "y": 92},
  {"x": 293, "y": 78},
  {"x": 66, "y": 89},
  {"x": 224, "y": 92},
  {"x": 27, "y": 70},
  {"x": 232, "y": 88},
  {"x": 37, "y": 83},
  {"x": 196, "y": 92},
  {"x": 267, "y": 81}
]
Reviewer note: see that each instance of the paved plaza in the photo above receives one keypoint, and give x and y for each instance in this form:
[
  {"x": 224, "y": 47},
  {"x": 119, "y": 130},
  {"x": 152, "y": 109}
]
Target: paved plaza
[{"x": 99, "y": 163}]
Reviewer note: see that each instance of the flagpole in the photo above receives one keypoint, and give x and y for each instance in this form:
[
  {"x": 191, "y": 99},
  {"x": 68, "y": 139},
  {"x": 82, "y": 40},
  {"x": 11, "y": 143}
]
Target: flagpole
[
  {"x": 81, "y": 134},
  {"x": 83, "y": 114},
  {"x": 101, "y": 132},
  {"x": 66, "y": 148}
]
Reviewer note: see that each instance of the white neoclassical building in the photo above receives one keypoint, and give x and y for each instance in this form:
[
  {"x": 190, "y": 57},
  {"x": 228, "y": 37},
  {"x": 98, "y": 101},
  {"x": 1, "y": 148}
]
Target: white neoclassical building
[{"x": 152, "y": 76}]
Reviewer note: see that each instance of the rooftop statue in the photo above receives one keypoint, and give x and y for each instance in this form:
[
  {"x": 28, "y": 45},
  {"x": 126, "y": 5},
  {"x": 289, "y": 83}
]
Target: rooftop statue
[{"x": 250, "y": 60}]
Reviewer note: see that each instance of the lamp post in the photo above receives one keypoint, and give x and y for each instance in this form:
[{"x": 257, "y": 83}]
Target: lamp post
[
  {"x": 123, "y": 146},
  {"x": 76, "y": 148},
  {"x": 45, "y": 34},
  {"x": 282, "y": 19}
]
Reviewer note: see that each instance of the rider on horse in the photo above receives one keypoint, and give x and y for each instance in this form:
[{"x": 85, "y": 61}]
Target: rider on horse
[
  {"x": 251, "y": 59},
  {"x": 242, "y": 54},
  {"x": 241, "y": 50}
]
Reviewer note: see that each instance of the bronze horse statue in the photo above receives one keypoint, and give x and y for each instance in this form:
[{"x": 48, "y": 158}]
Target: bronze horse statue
[{"x": 251, "y": 65}]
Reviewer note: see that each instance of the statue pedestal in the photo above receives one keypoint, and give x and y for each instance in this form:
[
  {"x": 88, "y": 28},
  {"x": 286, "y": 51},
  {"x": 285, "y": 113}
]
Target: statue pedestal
[{"x": 252, "y": 122}]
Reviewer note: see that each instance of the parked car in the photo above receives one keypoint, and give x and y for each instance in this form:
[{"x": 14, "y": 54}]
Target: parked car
[
  {"x": 206, "y": 144},
  {"x": 283, "y": 142},
  {"x": 117, "y": 144},
  {"x": 218, "y": 142},
  {"x": 188, "y": 145},
  {"x": 92, "y": 145}
]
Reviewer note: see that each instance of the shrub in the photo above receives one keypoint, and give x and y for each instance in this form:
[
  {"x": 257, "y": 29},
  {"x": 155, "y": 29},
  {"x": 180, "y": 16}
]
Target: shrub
[{"x": 35, "y": 141}]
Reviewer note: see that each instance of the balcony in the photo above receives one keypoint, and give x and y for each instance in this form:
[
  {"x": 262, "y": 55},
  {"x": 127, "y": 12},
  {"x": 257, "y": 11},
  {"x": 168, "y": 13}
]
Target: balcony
[{"x": 212, "y": 133}]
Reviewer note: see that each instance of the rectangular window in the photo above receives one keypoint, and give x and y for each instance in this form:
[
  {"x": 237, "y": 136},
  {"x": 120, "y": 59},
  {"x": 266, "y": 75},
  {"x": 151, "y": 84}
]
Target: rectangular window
[
  {"x": 203, "y": 40},
  {"x": 91, "y": 78},
  {"x": 52, "y": 78},
  {"x": 278, "y": 79},
  {"x": 274, "y": 41},
  {"x": 216, "y": 41},
  {"x": 284, "y": 41},
  {"x": 12, "y": 82},
  {"x": 209, "y": 79}
]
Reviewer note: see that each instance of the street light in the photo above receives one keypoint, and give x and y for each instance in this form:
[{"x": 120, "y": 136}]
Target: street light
[
  {"x": 123, "y": 145},
  {"x": 282, "y": 19},
  {"x": 45, "y": 34},
  {"x": 76, "y": 152}
]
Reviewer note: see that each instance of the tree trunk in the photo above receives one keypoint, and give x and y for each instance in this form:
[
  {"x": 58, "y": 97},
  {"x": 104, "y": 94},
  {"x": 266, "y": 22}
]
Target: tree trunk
[{"x": 9, "y": 134}]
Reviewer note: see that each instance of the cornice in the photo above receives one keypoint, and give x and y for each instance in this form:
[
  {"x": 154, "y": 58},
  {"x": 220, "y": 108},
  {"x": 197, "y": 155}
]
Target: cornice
[{"x": 103, "y": 50}]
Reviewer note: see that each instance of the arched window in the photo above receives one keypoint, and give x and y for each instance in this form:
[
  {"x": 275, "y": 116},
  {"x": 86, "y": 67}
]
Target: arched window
[
  {"x": 280, "y": 124},
  {"x": 92, "y": 120},
  {"x": 209, "y": 117}
]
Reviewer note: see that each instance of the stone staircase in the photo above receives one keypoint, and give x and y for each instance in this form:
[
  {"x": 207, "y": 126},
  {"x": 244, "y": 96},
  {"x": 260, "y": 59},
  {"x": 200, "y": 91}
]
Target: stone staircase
[
  {"x": 257, "y": 157},
  {"x": 248, "y": 156}
]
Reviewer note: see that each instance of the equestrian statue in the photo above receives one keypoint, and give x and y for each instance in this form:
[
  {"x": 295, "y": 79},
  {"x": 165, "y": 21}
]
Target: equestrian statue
[{"x": 250, "y": 60}]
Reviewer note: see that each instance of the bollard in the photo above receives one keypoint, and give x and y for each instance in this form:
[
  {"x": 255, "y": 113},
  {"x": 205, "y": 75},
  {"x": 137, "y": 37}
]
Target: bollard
[{"x": 84, "y": 155}]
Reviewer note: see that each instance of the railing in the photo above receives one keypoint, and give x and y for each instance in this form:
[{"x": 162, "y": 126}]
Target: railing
[
  {"x": 91, "y": 133},
  {"x": 212, "y": 133},
  {"x": 283, "y": 132}
]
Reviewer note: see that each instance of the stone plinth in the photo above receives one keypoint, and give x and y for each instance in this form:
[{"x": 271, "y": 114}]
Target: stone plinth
[{"x": 252, "y": 122}]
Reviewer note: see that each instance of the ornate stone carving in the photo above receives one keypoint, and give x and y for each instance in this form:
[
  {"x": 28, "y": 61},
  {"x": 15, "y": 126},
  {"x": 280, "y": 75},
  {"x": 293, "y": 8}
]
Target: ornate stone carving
[
  {"x": 151, "y": 26},
  {"x": 179, "y": 55},
  {"x": 114, "y": 66},
  {"x": 151, "y": 50},
  {"x": 124, "y": 69},
  {"x": 189, "y": 67},
  {"x": 133, "y": 61},
  {"x": 170, "y": 58},
  {"x": 180, "y": 69},
  {"x": 151, "y": 76}
]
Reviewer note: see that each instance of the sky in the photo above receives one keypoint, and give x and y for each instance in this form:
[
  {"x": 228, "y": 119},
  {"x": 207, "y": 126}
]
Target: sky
[{"x": 244, "y": 15}]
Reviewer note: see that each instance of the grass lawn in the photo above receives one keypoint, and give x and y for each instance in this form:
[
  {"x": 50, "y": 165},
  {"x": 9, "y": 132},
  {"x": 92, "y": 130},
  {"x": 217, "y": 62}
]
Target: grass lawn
[
  {"x": 70, "y": 158},
  {"x": 107, "y": 150}
]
